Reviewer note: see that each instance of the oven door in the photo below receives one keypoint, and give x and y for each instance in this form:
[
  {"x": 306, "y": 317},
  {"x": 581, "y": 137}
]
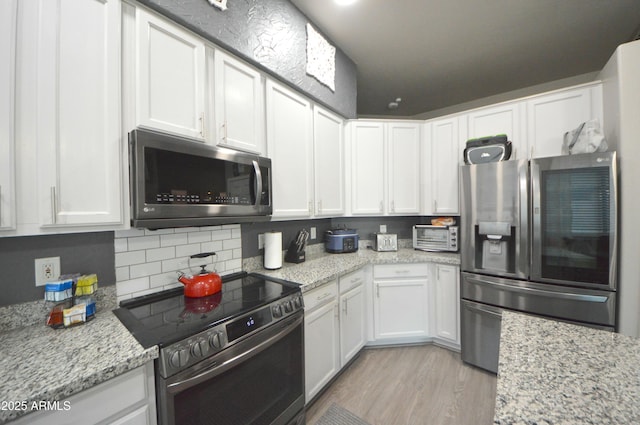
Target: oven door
[{"x": 257, "y": 381}]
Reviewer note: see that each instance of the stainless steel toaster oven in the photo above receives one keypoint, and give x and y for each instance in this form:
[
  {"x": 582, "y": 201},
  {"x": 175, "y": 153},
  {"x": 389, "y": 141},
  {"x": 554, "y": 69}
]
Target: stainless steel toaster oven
[{"x": 435, "y": 238}]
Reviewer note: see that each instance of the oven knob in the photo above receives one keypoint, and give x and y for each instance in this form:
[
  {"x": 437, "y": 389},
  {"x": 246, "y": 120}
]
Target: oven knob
[
  {"x": 297, "y": 301},
  {"x": 216, "y": 340},
  {"x": 288, "y": 308},
  {"x": 199, "y": 348},
  {"x": 276, "y": 310},
  {"x": 179, "y": 358}
]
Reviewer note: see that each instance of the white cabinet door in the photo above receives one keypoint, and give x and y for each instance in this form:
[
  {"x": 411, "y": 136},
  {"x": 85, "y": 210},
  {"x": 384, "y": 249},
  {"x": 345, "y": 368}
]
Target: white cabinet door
[
  {"x": 550, "y": 116},
  {"x": 403, "y": 159},
  {"x": 367, "y": 162},
  {"x": 78, "y": 116},
  {"x": 321, "y": 339},
  {"x": 445, "y": 159},
  {"x": 127, "y": 399},
  {"x": 289, "y": 138},
  {"x": 352, "y": 332},
  {"x": 170, "y": 77},
  {"x": 239, "y": 104},
  {"x": 400, "y": 308},
  {"x": 447, "y": 301},
  {"x": 503, "y": 119},
  {"x": 328, "y": 154},
  {"x": 8, "y": 16}
]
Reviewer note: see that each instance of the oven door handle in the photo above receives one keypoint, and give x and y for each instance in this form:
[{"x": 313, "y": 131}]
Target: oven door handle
[{"x": 215, "y": 370}]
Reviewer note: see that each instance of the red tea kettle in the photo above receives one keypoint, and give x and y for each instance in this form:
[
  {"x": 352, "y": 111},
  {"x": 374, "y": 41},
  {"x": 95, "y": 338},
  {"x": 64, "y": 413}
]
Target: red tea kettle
[{"x": 202, "y": 285}]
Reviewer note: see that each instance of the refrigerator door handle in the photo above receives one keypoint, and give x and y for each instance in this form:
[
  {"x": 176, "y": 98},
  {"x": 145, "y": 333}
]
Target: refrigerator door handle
[
  {"x": 542, "y": 292},
  {"x": 483, "y": 309}
]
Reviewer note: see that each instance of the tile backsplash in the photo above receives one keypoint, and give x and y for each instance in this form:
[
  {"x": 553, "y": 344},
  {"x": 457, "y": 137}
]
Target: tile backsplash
[{"x": 148, "y": 261}]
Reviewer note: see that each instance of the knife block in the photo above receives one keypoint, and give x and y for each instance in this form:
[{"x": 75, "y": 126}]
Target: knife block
[{"x": 293, "y": 255}]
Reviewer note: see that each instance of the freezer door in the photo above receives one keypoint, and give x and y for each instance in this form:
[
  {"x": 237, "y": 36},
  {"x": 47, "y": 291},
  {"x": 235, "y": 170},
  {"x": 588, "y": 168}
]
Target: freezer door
[
  {"x": 480, "y": 335},
  {"x": 588, "y": 306},
  {"x": 494, "y": 232}
]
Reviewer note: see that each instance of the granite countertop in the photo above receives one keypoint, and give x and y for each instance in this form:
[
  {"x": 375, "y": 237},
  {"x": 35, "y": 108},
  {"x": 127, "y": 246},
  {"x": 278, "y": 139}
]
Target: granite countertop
[
  {"x": 551, "y": 372},
  {"x": 39, "y": 363},
  {"x": 322, "y": 267}
]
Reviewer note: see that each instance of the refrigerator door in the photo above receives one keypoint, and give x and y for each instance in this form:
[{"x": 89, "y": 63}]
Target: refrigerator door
[
  {"x": 494, "y": 232},
  {"x": 574, "y": 220}
]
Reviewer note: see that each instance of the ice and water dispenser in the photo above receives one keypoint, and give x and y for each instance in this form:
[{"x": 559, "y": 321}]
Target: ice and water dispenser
[{"x": 495, "y": 242}]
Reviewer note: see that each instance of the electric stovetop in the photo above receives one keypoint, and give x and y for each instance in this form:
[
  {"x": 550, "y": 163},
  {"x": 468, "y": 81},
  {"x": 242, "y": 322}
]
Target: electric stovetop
[{"x": 168, "y": 316}]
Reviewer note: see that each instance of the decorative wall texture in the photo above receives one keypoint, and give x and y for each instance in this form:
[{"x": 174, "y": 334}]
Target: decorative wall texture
[
  {"x": 270, "y": 34},
  {"x": 147, "y": 261}
]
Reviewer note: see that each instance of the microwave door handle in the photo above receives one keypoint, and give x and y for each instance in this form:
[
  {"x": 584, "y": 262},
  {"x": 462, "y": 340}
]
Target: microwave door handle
[{"x": 258, "y": 182}]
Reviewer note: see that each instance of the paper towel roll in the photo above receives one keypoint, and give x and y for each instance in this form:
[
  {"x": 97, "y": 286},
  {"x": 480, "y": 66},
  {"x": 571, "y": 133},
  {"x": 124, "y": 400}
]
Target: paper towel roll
[{"x": 272, "y": 250}]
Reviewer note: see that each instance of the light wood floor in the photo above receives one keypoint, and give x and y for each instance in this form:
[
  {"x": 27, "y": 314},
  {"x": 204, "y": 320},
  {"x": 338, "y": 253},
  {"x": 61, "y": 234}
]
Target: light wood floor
[{"x": 411, "y": 385}]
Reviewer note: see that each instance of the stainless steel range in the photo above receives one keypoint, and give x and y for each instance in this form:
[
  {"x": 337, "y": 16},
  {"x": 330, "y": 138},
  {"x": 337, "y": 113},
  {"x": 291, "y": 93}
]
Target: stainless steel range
[{"x": 235, "y": 357}]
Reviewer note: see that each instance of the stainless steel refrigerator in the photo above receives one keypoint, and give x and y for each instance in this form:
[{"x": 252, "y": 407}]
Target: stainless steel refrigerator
[{"x": 538, "y": 237}]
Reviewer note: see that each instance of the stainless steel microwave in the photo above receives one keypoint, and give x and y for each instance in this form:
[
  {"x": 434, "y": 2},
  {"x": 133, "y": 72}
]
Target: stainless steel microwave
[
  {"x": 435, "y": 238},
  {"x": 177, "y": 182}
]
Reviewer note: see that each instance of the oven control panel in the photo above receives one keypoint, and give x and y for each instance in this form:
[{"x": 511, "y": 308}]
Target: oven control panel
[{"x": 185, "y": 353}]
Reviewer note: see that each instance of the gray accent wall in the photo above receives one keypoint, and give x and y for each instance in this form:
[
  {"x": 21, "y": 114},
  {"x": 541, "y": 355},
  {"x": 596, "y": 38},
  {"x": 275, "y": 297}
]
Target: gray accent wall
[
  {"x": 79, "y": 253},
  {"x": 270, "y": 34}
]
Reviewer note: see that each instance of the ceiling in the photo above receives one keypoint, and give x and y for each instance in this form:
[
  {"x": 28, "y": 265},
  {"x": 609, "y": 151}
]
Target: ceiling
[{"x": 437, "y": 53}]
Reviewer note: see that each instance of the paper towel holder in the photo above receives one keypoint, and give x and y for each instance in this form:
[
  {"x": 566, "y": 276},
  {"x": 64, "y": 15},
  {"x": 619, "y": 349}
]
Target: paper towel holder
[{"x": 272, "y": 250}]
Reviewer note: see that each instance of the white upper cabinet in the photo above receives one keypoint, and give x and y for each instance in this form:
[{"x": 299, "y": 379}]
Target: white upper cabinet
[
  {"x": 367, "y": 172},
  {"x": 550, "y": 116},
  {"x": 445, "y": 159},
  {"x": 78, "y": 112},
  {"x": 238, "y": 104},
  {"x": 403, "y": 159},
  {"x": 289, "y": 139},
  {"x": 328, "y": 154},
  {"x": 502, "y": 119},
  {"x": 170, "y": 77},
  {"x": 8, "y": 9},
  {"x": 385, "y": 167}
]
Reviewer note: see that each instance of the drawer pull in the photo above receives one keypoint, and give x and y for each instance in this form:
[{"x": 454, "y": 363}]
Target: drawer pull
[{"x": 323, "y": 296}]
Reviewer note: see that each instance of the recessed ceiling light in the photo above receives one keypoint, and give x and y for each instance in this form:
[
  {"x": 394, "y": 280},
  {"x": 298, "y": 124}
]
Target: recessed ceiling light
[{"x": 345, "y": 2}]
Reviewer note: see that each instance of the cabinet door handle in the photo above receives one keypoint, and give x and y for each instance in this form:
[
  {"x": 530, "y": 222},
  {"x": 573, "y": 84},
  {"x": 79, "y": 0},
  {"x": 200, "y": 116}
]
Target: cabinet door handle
[
  {"x": 381, "y": 206},
  {"x": 224, "y": 127},
  {"x": 54, "y": 205},
  {"x": 378, "y": 290},
  {"x": 393, "y": 206},
  {"x": 202, "y": 124},
  {"x": 320, "y": 206},
  {"x": 345, "y": 308},
  {"x": 311, "y": 207},
  {"x": 435, "y": 205}
]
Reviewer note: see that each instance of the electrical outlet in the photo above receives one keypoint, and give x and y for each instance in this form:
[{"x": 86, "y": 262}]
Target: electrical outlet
[
  {"x": 383, "y": 228},
  {"x": 312, "y": 236},
  {"x": 47, "y": 270},
  {"x": 261, "y": 241}
]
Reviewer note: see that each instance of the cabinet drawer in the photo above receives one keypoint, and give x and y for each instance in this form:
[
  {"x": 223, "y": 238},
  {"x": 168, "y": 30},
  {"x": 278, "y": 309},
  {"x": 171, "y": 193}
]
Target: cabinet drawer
[
  {"x": 320, "y": 295},
  {"x": 394, "y": 271},
  {"x": 351, "y": 280}
]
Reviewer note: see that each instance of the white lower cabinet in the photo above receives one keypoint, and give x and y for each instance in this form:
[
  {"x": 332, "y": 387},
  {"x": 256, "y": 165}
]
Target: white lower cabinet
[
  {"x": 321, "y": 338},
  {"x": 446, "y": 304},
  {"x": 352, "y": 315},
  {"x": 128, "y": 399},
  {"x": 400, "y": 302},
  {"x": 334, "y": 328}
]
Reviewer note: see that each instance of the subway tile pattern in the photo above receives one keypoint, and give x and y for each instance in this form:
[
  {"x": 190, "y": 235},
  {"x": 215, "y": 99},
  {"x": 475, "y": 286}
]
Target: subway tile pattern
[{"x": 148, "y": 261}]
